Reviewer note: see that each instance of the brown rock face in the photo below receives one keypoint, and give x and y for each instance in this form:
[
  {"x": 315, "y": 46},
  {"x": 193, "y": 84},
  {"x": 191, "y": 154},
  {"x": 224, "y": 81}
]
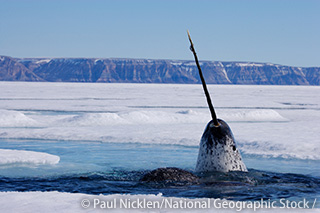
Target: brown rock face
[{"x": 12, "y": 70}]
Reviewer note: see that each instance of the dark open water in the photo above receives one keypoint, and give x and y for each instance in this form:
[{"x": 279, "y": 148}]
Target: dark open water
[{"x": 109, "y": 168}]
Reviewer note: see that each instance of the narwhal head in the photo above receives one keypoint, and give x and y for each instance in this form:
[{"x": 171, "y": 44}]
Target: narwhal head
[{"x": 218, "y": 151}]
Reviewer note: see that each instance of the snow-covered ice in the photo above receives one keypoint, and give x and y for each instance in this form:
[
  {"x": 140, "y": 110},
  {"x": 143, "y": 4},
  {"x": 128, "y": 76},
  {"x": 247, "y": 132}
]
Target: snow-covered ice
[
  {"x": 72, "y": 202},
  {"x": 26, "y": 157},
  {"x": 15, "y": 119},
  {"x": 43, "y": 61},
  {"x": 249, "y": 65},
  {"x": 272, "y": 121}
]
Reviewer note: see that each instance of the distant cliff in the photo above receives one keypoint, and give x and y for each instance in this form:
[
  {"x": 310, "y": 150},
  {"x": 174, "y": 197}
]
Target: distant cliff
[{"x": 153, "y": 71}]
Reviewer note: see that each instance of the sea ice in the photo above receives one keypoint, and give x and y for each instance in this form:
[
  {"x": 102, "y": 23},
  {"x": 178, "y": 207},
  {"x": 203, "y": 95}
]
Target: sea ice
[
  {"x": 26, "y": 157},
  {"x": 52, "y": 202},
  {"x": 267, "y": 121}
]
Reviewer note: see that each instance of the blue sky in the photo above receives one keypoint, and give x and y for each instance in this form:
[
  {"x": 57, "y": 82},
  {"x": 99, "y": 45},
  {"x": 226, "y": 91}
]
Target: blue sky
[{"x": 277, "y": 31}]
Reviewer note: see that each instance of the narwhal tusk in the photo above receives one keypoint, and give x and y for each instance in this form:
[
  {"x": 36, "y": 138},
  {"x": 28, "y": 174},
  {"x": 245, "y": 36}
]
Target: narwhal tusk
[{"x": 213, "y": 114}]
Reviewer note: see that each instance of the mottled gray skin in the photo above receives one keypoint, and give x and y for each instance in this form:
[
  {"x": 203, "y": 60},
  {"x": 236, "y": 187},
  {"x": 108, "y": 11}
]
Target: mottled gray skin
[
  {"x": 170, "y": 174},
  {"x": 218, "y": 151}
]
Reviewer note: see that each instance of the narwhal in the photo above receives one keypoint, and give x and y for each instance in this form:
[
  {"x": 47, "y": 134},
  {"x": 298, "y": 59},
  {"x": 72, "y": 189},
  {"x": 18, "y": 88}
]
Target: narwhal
[{"x": 217, "y": 152}]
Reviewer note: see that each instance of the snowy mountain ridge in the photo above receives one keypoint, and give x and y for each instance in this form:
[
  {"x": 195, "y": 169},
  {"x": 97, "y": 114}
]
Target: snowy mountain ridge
[{"x": 153, "y": 71}]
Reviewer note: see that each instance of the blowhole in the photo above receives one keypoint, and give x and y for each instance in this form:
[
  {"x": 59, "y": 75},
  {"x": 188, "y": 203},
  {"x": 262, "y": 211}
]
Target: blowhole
[{"x": 213, "y": 125}]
